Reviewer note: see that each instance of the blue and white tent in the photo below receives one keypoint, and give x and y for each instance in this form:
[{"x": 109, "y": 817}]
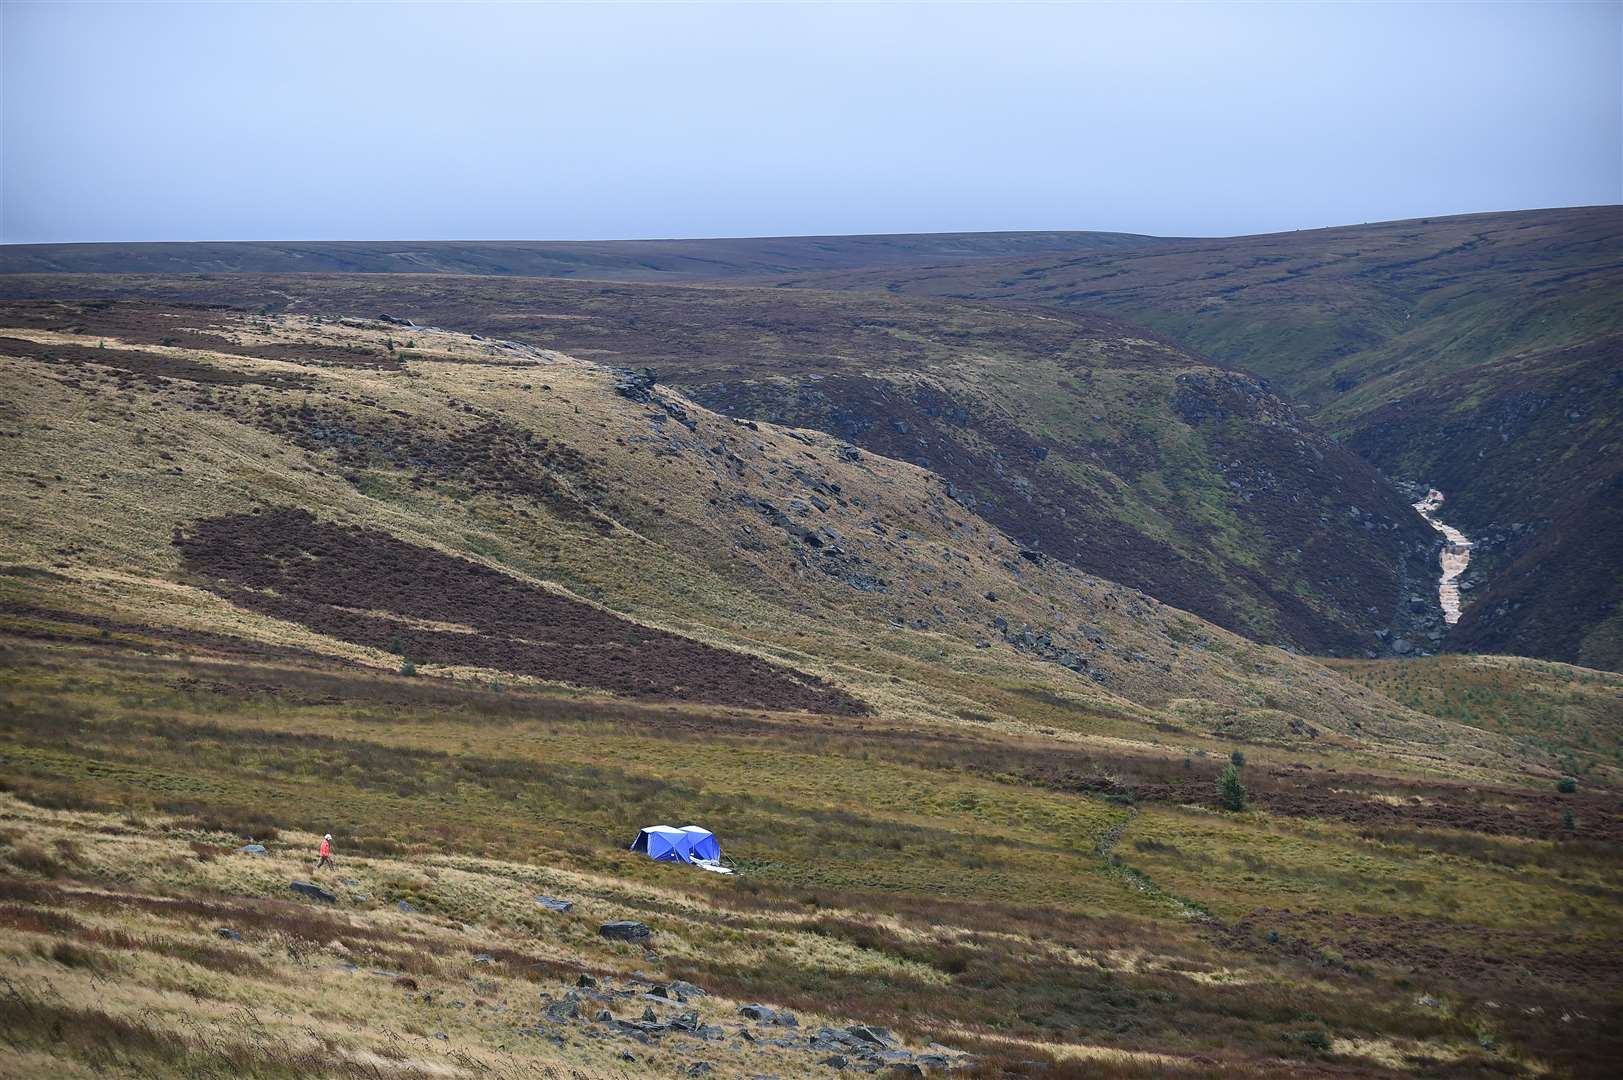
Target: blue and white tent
[
  {"x": 687, "y": 844},
  {"x": 703, "y": 844}
]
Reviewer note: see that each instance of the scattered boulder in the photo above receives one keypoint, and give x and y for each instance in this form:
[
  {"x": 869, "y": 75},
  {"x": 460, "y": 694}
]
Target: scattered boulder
[
  {"x": 686, "y": 989},
  {"x": 552, "y": 903},
  {"x": 560, "y": 1012},
  {"x": 313, "y": 891},
  {"x": 758, "y": 1012},
  {"x": 586, "y": 982},
  {"x": 252, "y": 849},
  {"x": 228, "y": 934},
  {"x": 625, "y": 930},
  {"x": 408, "y": 907},
  {"x": 874, "y": 1036}
]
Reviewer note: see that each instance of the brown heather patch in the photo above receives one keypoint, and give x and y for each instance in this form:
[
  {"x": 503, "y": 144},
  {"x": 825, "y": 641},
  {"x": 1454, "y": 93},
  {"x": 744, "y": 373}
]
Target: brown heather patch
[{"x": 287, "y": 564}]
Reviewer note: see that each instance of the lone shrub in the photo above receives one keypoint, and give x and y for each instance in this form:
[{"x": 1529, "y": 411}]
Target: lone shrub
[
  {"x": 1237, "y": 759},
  {"x": 1229, "y": 789},
  {"x": 1566, "y": 785},
  {"x": 408, "y": 668},
  {"x": 1316, "y": 1039}
]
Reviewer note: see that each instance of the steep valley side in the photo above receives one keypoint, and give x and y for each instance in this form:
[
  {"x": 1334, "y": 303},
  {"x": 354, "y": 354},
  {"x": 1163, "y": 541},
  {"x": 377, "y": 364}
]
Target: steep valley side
[{"x": 1088, "y": 442}]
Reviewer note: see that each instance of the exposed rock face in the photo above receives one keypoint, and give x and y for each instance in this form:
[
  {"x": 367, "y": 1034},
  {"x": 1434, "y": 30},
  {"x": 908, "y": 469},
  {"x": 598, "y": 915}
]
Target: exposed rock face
[
  {"x": 1330, "y": 540},
  {"x": 636, "y": 385}
]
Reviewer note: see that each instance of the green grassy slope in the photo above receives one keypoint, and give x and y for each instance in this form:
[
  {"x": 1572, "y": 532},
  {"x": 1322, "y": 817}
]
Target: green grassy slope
[{"x": 1577, "y": 709}]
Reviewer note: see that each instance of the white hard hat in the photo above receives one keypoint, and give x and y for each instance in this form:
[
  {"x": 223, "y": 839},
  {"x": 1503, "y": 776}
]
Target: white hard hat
[{"x": 327, "y": 837}]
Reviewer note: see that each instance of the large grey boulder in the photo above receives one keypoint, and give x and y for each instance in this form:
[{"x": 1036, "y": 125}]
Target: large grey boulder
[{"x": 313, "y": 891}]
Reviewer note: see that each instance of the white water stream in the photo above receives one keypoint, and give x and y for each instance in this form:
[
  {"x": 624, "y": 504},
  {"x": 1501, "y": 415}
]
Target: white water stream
[{"x": 1455, "y": 558}]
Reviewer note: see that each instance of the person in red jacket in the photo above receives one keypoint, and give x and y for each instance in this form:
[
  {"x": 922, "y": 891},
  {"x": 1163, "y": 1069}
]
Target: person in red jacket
[{"x": 326, "y": 851}]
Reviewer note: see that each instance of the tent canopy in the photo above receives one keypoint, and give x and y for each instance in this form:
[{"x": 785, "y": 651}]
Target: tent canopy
[
  {"x": 703, "y": 843},
  {"x": 669, "y": 844}
]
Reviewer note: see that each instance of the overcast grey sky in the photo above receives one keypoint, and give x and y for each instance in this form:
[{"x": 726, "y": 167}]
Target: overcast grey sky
[{"x": 134, "y": 121}]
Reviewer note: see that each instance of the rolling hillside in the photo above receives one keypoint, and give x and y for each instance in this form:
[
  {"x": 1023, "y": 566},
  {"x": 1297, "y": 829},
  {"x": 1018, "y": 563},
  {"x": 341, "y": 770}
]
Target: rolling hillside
[
  {"x": 1446, "y": 351},
  {"x": 614, "y": 260},
  {"x": 1385, "y": 335},
  {"x": 1086, "y": 441},
  {"x": 481, "y": 609},
  {"x": 1318, "y": 312}
]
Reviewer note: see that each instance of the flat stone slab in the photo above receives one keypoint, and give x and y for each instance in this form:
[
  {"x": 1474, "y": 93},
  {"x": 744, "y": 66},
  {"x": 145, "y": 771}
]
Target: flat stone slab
[{"x": 625, "y": 930}]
